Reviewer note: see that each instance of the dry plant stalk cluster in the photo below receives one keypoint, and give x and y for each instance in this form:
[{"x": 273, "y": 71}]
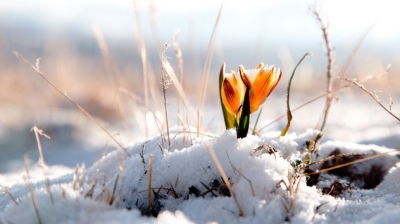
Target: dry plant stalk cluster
[{"x": 111, "y": 195}]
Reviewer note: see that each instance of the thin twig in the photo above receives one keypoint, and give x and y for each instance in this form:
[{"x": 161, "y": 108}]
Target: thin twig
[
  {"x": 350, "y": 58},
  {"x": 366, "y": 79},
  {"x": 375, "y": 97},
  {"x": 36, "y": 68},
  {"x": 295, "y": 109},
  {"x": 329, "y": 53},
  {"x": 353, "y": 162}
]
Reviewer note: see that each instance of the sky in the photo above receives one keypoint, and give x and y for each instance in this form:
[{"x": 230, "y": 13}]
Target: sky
[
  {"x": 247, "y": 31},
  {"x": 249, "y": 16}
]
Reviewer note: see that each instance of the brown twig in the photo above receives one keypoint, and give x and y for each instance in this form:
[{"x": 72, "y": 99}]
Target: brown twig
[
  {"x": 329, "y": 72},
  {"x": 36, "y": 68},
  {"x": 374, "y": 96},
  {"x": 353, "y": 162}
]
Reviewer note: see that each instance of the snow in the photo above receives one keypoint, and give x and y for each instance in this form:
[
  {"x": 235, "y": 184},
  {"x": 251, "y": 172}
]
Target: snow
[{"x": 187, "y": 164}]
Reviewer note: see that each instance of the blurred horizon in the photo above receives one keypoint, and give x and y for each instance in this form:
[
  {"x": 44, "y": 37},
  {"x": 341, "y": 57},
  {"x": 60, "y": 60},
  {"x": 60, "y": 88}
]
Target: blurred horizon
[{"x": 61, "y": 33}]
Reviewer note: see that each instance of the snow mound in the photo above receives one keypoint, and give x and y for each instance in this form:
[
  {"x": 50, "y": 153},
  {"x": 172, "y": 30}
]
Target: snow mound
[{"x": 187, "y": 186}]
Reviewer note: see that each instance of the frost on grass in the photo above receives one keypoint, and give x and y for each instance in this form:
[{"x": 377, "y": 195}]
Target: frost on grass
[{"x": 187, "y": 187}]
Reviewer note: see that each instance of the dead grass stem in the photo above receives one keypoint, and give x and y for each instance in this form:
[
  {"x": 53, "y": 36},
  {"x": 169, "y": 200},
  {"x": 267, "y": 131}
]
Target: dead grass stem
[
  {"x": 224, "y": 177},
  {"x": 143, "y": 55},
  {"x": 27, "y": 179},
  {"x": 206, "y": 73},
  {"x": 111, "y": 70},
  {"x": 178, "y": 54},
  {"x": 354, "y": 162},
  {"x": 374, "y": 96},
  {"x": 289, "y": 113},
  {"x": 174, "y": 79},
  {"x": 37, "y": 70},
  {"x": 329, "y": 53},
  {"x": 149, "y": 197},
  {"x": 5, "y": 189},
  {"x": 165, "y": 84},
  {"x": 42, "y": 164}
]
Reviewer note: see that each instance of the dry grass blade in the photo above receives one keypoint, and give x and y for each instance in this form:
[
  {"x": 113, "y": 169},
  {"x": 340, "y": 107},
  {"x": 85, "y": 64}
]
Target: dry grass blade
[
  {"x": 28, "y": 183},
  {"x": 143, "y": 55},
  {"x": 36, "y": 68},
  {"x": 149, "y": 197},
  {"x": 336, "y": 157},
  {"x": 178, "y": 54},
  {"x": 224, "y": 177},
  {"x": 289, "y": 113},
  {"x": 153, "y": 19},
  {"x": 368, "y": 78},
  {"x": 293, "y": 205},
  {"x": 122, "y": 174},
  {"x": 8, "y": 193},
  {"x": 350, "y": 58},
  {"x": 295, "y": 109},
  {"x": 206, "y": 73},
  {"x": 317, "y": 209},
  {"x": 113, "y": 195},
  {"x": 375, "y": 97},
  {"x": 42, "y": 164},
  {"x": 258, "y": 118},
  {"x": 353, "y": 162},
  {"x": 168, "y": 69},
  {"x": 111, "y": 70},
  {"x": 165, "y": 84}
]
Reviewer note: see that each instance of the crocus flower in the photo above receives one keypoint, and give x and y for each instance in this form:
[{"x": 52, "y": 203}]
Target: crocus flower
[
  {"x": 232, "y": 92},
  {"x": 261, "y": 81}
]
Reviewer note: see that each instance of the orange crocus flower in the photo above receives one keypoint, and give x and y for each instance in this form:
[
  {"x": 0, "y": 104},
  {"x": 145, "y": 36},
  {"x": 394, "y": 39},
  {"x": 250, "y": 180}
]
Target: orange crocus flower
[
  {"x": 232, "y": 92},
  {"x": 261, "y": 81}
]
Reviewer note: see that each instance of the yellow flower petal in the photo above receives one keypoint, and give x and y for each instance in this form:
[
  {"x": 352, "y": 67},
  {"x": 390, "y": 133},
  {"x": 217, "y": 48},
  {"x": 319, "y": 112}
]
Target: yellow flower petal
[
  {"x": 261, "y": 85},
  {"x": 232, "y": 93}
]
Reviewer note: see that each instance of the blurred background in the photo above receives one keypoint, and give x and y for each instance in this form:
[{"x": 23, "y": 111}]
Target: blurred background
[{"x": 90, "y": 50}]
